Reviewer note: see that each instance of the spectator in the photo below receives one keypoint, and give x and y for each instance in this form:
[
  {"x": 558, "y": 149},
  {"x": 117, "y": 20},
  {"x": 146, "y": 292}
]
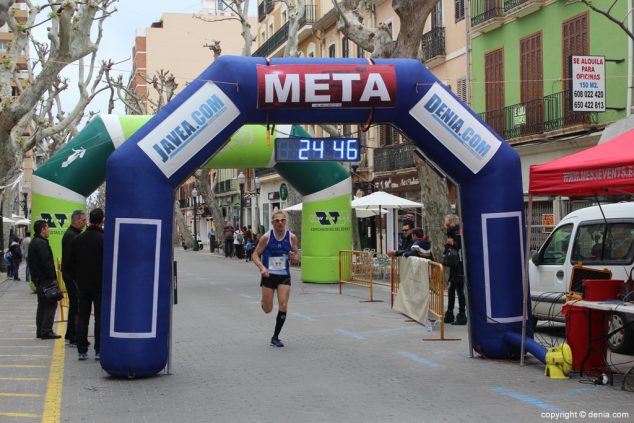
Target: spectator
[
  {"x": 228, "y": 238},
  {"x": 86, "y": 265},
  {"x": 212, "y": 240},
  {"x": 406, "y": 241},
  {"x": 77, "y": 224},
  {"x": 16, "y": 258},
  {"x": 421, "y": 246},
  {"x": 452, "y": 258},
  {"x": 43, "y": 272},
  {"x": 24, "y": 246}
]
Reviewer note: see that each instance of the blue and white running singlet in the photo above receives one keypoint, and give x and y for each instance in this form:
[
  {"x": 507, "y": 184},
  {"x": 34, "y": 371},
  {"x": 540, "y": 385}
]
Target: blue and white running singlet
[{"x": 276, "y": 254}]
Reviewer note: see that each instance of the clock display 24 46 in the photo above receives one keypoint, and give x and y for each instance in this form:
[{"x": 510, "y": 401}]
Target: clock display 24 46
[{"x": 317, "y": 149}]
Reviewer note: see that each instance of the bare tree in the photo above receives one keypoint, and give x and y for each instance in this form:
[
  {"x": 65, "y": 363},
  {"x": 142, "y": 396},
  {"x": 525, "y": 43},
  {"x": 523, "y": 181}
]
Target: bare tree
[
  {"x": 240, "y": 8},
  {"x": 607, "y": 11},
  {"x": 31, "y": 111},
  {"x": 378, "y": 41}
]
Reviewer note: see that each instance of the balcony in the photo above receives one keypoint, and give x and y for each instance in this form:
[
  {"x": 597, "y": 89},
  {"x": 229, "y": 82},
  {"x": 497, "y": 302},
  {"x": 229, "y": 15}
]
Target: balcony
[
  {"x": 519, "y": 8},
  {"x": 279, "y": 38},
  {"x": 486, "y": 15},
  {"x": 433, "y": 46},
  {"x": 394, "y": 157},
  {"x": 547, "y": 117}
]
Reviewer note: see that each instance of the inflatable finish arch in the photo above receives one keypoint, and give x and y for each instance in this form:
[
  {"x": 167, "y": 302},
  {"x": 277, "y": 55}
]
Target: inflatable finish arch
[{"x": 234, "y": 91}]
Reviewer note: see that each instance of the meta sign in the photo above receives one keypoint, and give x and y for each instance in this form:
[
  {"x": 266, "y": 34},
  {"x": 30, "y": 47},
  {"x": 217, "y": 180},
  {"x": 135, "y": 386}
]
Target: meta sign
[
  {"x": 588, "y": 83},
  {"x": 326, "y": 86}
]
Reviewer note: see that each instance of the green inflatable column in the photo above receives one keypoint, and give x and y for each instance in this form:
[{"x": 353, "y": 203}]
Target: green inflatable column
[
  {"x": 326, "y": 214},
  {"x": 62, "y": 184}
]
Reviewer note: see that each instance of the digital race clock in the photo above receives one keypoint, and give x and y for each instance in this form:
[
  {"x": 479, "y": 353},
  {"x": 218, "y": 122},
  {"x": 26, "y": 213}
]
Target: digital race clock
[{"x": 317, "y": 149}]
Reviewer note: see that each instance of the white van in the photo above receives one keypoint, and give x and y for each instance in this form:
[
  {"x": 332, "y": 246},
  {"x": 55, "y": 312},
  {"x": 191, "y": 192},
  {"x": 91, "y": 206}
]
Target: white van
[{"x": 602, "y": 238}]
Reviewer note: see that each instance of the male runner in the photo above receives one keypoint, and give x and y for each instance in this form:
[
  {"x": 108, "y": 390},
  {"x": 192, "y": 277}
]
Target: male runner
[{"x": 271, "y": 256}]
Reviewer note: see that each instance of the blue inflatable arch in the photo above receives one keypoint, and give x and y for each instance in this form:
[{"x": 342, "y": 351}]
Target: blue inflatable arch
[{"x": 144, "y": 172}]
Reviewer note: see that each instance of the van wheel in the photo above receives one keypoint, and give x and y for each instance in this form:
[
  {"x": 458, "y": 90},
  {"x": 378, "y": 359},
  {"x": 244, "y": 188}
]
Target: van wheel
[{"x": 622, "y": 342}]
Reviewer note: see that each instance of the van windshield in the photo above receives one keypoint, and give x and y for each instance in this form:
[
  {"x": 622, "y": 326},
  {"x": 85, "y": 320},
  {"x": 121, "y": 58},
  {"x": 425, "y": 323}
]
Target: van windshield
[
  {"x": 556, "y": 247},
  {"x": 600, "y": 244}
]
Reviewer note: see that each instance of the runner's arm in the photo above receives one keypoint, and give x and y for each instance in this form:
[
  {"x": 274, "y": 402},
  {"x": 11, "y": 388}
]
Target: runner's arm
[{"x": 257, "y": 254}]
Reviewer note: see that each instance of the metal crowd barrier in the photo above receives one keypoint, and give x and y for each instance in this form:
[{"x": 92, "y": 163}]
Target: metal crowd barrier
[
  {"x": 355, "y": 268},
  {"x": 436, "y": 294}
]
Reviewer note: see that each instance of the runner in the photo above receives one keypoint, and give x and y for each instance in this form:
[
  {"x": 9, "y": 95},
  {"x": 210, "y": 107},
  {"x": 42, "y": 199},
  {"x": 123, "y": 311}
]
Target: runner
[{"x": 271, "y": 256}]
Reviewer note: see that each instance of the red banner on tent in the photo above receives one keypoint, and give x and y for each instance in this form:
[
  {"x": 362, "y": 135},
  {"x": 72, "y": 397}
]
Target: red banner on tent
[
  {"x": 326, "y": 86},
  {"x": 607, "y": 168}
]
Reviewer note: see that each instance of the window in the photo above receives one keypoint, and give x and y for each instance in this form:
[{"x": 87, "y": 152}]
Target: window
[
  {"x": 332, "y": 50},
  {"x": 462, "y": 89},
  {"x": 436, "y": 15},
  {"x": 532, "y": 85},
  {"x": 494, "y": 89},
  {"x": 345, "y": 47},
  {"x": 556, "y": 247},
  {"x": 459, "y": 5},
  {"x": 599, "y": 244},
  {"x": 3, "y": 46},
  {"x": 360, "y": 52}
]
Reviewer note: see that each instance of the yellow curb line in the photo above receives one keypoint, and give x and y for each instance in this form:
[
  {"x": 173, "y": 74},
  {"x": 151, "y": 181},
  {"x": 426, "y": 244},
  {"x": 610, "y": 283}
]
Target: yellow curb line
[
  {"x": 53, "y": 400},
  {"x": 23, "y": 366},
  {"x": 19, "y": 415},
  {"x": 14, "y": 394}
]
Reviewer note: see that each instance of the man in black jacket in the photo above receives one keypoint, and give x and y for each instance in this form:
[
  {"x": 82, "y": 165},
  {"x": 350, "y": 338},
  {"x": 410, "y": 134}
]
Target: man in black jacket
[
  {"x": 78, "y": 222},
  {"x": 86, "y": 265},
  {"x": 42, "y": 270},
  {"x": 406, "y": 242}
]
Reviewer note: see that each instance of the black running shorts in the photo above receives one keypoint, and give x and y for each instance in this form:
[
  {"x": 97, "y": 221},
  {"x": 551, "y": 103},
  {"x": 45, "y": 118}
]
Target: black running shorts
[{"x": 274, "y": 280}]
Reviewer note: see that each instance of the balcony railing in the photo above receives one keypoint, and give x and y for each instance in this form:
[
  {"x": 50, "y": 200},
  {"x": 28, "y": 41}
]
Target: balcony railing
[
  {"x": 484, "y": 10},
  {"x": 394, "y": 158},
  {"x": 512, "y": 4},
  {"x": 527, "y": 6},
  {"x": 280, "y": 36},
  {"x": 536, "y": 116},
  {"x": 433, "y": 43}
]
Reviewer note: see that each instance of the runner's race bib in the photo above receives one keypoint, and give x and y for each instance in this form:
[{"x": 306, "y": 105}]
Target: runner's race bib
[{"x": 277, "y": 263}]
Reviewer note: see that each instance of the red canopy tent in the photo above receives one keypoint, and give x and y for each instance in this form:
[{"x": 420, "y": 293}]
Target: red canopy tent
[{"x": 606, "y": 169}]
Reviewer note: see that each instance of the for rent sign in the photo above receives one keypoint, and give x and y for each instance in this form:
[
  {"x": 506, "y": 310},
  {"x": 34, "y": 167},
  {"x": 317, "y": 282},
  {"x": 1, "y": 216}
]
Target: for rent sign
[
  {"x": 588, "y": 83},
  {"x": 317, "y": 86}
]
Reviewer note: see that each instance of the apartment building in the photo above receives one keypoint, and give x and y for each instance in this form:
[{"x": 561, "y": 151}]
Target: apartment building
[
  {"x": 521, "y": 78},
  {"x": 178, "y": 43}
]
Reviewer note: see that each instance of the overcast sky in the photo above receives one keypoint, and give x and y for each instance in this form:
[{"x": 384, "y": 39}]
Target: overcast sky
[{"x": 119, "y": 32}]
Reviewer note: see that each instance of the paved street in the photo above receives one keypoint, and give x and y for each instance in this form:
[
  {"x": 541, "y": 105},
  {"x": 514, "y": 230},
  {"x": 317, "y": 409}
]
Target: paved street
[{"x": 345, "y": 360}]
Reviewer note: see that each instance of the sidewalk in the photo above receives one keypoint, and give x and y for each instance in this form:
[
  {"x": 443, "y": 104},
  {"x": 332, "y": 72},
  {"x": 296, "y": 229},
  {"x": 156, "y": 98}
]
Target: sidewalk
[{"x": 345, "y": 360}]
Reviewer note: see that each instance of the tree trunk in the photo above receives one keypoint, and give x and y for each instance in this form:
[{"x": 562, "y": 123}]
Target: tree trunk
[
  {"x": 295, "y": 218},
  {"x": 433, "y": 190},
  {"x": 210, "y": 199},
  {"x": 179, "y": 217}
]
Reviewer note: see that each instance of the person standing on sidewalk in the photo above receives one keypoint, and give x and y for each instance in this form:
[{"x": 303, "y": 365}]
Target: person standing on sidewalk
[
  {"x": 16, "y": 259},
  {"x": 77, "y": 224},
  {"x": 43, "y": 273},
  {"x": 452, "y": 258},
  {"x": 24, "y": 246},
  {"x": 86, "y": 265},
  {"x": 272, "y": 256}
]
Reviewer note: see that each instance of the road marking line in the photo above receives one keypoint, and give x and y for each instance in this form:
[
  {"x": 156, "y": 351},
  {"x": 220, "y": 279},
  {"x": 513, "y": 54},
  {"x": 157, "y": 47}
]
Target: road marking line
[
  {"x": 21, "y": 379},
  {"x": 19, "y": 414},
  {"x": 421, "y": 360},
  {"x": 14, "y": 394},
  {"x": 53, "y": 400},
  {"x": 24, "y": 355},
  {"x": 23, "y": 366},
  {"x": 25, "y": 346},
  {"x": 350, "y": 333},
  {"x": 525, "y": 399},
  {"x": 302, "y": 316}
]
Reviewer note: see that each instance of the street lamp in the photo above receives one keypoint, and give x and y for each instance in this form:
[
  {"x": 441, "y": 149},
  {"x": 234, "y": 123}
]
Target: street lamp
[
  {"x": 241, "y": 184},
  {"x": 25, "y": 195},
  {"x": 195, "y": 195},
  {"x": 257, "y": 204}
]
